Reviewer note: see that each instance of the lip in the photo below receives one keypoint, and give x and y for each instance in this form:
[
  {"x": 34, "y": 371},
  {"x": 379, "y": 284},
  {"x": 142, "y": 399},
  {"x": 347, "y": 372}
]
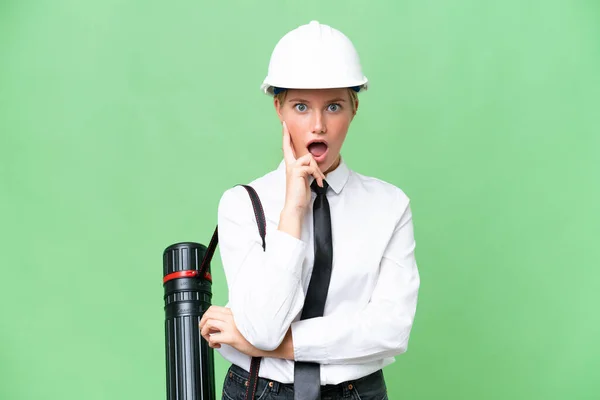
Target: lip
[{"x": 323, "y": 156}]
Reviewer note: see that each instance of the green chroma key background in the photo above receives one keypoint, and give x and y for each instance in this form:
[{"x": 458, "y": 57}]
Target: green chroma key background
[{"x": 122, "y": 123}]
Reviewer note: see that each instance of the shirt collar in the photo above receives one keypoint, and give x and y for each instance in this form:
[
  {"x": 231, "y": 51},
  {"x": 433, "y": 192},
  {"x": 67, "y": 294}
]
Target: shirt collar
[{"x": 336, "y": 179}]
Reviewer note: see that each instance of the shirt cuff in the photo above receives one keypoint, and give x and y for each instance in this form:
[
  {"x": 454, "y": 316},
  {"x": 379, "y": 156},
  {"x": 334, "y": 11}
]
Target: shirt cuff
[
  {"x": 306, "y": 348},
  {"x": 286, "y": 251}
]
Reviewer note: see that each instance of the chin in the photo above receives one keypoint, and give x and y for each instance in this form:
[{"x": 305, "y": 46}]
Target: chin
[{"x": 324, "y": 163}]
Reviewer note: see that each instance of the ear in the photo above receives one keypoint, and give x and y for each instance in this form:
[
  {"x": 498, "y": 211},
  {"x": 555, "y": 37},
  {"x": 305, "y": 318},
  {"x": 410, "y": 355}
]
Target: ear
[
  {"x": 277, "y": 106},
  {"x": 355, "y": 108}
]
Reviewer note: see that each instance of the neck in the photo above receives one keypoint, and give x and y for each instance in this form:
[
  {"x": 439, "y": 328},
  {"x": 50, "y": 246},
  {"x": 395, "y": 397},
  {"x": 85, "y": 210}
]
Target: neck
[{"x": 334, "y": 165}]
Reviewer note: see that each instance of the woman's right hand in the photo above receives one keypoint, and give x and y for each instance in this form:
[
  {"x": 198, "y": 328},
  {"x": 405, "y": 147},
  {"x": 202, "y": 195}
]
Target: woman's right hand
[{"x": 298, "y": 170}]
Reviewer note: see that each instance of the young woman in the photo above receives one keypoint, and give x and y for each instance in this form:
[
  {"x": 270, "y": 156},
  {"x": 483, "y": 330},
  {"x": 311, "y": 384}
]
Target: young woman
[{"x": 329, "y": 229}]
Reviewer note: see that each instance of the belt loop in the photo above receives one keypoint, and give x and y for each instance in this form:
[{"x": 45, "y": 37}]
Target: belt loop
[
  {"x": 274, "y": 386},
  {"x": 346, "y": 389}
]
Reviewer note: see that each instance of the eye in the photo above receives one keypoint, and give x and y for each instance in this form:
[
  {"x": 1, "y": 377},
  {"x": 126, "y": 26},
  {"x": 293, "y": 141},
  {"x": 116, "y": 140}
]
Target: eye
[
  {"x": 334, "y": 107},
  {"x": 300, "y": 107}
]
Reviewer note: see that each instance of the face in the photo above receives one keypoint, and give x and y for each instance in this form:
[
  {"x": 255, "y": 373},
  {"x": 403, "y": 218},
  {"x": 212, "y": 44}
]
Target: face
[{"x": 318, "y": 121}]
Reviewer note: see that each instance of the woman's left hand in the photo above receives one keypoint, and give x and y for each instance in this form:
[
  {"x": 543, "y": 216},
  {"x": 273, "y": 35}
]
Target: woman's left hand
[{"x": 218, "y": 327}]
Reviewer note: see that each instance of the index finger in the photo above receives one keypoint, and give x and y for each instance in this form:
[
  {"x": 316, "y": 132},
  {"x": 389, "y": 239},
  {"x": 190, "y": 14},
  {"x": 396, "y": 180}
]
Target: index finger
[
  {"x": 208, "y": 314},
  {"x": 288, "y": 150}
]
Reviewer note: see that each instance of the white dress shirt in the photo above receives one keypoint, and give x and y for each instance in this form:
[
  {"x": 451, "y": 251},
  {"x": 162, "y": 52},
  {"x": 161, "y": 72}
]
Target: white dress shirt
[{"x": 372, "y": 295}]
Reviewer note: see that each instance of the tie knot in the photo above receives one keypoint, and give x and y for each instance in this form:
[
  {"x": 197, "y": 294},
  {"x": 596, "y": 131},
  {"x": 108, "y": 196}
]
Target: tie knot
[{"x": 318, "y": 189}]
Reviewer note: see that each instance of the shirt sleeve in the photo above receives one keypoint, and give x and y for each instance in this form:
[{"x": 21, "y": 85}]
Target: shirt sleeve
[
  {"x": 383, "y": 327},
  {"x": 265, "y": 293}
]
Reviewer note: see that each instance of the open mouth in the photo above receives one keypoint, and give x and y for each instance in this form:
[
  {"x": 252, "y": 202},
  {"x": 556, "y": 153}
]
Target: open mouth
[{"x": 317, "y": 149}]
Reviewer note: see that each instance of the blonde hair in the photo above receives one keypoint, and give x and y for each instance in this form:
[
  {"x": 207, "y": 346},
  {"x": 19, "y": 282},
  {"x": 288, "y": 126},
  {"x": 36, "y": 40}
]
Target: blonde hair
[{"x": 353, "y": 98}]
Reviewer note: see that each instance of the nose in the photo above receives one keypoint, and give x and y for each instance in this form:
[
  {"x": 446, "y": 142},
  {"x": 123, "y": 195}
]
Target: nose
[{"x": 318, "y": 124}]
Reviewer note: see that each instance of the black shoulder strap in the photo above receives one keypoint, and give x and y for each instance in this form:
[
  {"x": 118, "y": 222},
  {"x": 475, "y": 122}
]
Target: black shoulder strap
[
  {"x": 262, "y": 230},
  {"x": 260, "y": 222},
  {"x": 259, "y": 213}
]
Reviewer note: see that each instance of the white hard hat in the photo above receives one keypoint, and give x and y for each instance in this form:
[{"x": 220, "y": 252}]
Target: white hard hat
[{"x": 314, "y": 56}]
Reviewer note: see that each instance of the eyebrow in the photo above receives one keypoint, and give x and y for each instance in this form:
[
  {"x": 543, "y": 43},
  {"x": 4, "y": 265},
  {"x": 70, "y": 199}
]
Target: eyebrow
[{"x": 300, "y": 100}]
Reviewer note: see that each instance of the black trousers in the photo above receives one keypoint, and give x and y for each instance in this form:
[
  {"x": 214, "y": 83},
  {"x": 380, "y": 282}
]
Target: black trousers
[{"x": 370, "y": 387}]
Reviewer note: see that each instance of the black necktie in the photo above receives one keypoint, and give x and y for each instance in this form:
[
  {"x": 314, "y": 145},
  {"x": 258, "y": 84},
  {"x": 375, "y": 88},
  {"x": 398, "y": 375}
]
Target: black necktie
[{"x": 307, "y": 376}]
